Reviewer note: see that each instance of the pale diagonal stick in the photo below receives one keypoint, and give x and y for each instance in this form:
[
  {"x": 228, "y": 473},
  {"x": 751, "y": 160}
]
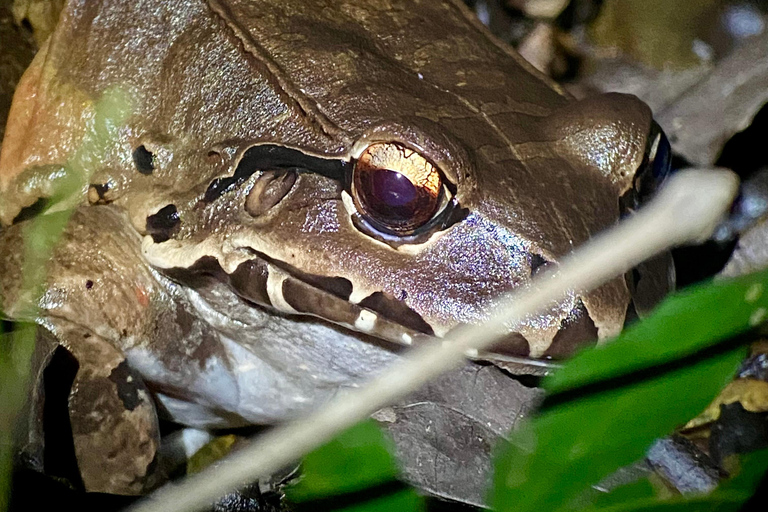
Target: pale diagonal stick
[{"x": 686, "y": 210}]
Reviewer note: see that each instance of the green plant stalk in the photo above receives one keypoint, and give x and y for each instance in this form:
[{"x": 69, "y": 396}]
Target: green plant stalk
[{"x": 18, "y": 346}]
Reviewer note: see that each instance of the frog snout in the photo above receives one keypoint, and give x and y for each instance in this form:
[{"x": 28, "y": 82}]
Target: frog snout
[
  {"x": 558, "y": 332},
  {"x": 576, "y": 331}
]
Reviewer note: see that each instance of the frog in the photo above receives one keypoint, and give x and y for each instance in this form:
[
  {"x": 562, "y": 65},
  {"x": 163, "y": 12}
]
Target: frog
[{"x": 301, "y": 191}]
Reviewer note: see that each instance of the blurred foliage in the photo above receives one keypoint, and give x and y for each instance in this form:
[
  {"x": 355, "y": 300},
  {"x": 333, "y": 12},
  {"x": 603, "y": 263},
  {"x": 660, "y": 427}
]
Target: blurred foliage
[
  {"x": 354, "y": 472},
  {"x": 15, "y": 353},
  {"x": 659, "y": 33},
  {"x": 730, "y": 496},
  {"x": 41, "y": 235},
  {"x": 579, "y": 443}
]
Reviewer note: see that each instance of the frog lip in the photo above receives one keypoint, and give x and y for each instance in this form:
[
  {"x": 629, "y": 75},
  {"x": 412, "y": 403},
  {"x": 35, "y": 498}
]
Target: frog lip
[
  {"x": 576, "y": 330},
  {"x": 266, "y": 282},
  {"x": 372, "y": 316},
  {"x": 389, "y": 319}
]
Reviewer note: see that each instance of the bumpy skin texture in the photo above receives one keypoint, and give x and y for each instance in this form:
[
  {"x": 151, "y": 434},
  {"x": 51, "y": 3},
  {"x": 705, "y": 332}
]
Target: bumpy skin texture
[{"x": 185, "y": 284}]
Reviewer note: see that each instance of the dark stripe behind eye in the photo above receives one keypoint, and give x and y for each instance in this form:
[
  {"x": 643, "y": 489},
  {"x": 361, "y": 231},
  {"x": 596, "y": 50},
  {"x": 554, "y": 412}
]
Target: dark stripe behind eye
[{"x": 271, "y": 157}]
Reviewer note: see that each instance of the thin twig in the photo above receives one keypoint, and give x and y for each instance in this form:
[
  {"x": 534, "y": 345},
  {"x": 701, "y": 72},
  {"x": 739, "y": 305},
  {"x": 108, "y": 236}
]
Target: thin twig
[{"x": 686, "y": 210}]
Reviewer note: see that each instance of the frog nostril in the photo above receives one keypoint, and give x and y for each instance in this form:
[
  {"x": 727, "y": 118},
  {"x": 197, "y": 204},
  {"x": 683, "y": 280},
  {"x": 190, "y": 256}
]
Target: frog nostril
[
  {"x": 100, "y": 193},
  {"x": 164, "y": 224},
  {"x": 144, "y": 160}
]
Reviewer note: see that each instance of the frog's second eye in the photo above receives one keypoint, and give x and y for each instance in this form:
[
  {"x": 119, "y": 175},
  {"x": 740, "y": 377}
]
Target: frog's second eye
[
  {"x": 656, "y": 166},
  {"x": 396, "y": 189}
]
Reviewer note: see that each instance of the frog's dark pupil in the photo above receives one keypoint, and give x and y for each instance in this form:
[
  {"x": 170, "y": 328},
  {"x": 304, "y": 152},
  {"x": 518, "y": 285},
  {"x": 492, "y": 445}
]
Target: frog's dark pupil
[
  {"x": 392, "y": 188},
  {"x": 395, "y": 190},
  {"x": 144, "y": 160},
  {"x": 390, "y": 194}
]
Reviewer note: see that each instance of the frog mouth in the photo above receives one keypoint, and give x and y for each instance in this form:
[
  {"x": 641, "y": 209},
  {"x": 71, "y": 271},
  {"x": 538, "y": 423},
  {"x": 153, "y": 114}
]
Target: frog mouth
[
  {"x": 390, "y": 319},
  {"x": 266, "y": 282},
  {"x": 263, "y": 281},
  {"x": 291, "y": 291},
  {"x": 576, "y": 331}
]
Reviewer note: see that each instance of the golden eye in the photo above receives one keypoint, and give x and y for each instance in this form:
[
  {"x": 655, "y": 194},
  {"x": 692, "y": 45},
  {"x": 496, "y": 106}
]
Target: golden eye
[{"x": 395, "y": 188}]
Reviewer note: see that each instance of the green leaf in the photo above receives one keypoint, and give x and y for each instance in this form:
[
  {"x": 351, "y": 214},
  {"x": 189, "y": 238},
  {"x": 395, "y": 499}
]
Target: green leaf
[
  {"x": 682, "y": 325},
  {"x": 354, "y": 472},
  {"x": 550, "y": 461},
  {"x": 15, "y": 353},
  {"x": 656, "y": 376},
  {"x": 633, "y": 492},
  {"x": 729, "y": 496}
]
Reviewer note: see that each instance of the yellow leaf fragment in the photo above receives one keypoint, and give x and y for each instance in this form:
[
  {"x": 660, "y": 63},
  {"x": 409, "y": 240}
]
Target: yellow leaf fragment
[
  {"x": 211, "y": 453},
  {"x": 752, "y": 394}
]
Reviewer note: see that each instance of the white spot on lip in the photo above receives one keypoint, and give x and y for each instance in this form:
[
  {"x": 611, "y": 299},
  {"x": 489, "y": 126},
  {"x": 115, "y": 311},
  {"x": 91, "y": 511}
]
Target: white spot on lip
[
  {"x": 366, "y": 321},
  {"x": 359, "y": 293},
  {"x": 407, "y": 339},
  {"x": 275, "y": 278}
]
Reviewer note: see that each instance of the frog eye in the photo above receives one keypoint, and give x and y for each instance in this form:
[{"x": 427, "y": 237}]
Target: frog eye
[
  {"x": 660, "y": 157},
  {"x": 395, "y": 188},
  {"x": 657, "y": 164}
]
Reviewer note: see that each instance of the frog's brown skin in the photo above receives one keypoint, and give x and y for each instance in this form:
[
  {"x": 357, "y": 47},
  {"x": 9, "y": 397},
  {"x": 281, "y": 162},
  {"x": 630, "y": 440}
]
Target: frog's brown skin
[{"x": 204, "y": 306}]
